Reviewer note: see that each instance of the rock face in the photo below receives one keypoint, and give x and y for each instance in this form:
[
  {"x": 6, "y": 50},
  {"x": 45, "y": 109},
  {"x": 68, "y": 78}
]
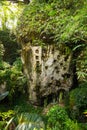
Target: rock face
[
  {"x": 2, "y": 88},
  {"x": 49, "y": 72}
]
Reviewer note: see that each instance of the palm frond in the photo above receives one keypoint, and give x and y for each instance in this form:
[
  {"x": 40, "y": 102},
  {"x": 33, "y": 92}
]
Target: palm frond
[{"x": 30, "y": 121}]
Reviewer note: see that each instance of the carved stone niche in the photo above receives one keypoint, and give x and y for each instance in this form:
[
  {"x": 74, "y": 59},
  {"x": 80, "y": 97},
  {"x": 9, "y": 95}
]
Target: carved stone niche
[{"x": 48, "y": 71}]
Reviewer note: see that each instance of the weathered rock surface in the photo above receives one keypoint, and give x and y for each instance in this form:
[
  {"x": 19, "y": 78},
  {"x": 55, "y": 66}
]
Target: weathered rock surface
[
  {"x": 2, "y": 87},
  {"x": 48, "y": 70}
]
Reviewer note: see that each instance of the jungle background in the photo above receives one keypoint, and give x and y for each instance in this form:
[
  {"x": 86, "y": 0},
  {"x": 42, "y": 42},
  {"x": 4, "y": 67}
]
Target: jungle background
[{"x": 41, "y": 21}]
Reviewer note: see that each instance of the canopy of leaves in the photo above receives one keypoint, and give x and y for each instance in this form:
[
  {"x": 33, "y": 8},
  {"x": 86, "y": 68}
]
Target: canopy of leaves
[{"x": 53, "y": 21}]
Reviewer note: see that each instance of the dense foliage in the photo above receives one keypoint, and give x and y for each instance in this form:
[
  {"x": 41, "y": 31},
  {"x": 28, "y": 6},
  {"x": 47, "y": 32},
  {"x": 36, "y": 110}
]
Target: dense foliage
[
  {"x": 42, "y": 22},
  {"x": 58, "y": 119},
  {"x": 11, "y": 75},
  {"x": 14, "y": 79},
  {"x": 53, "y": 22},
  {"x": 78, "y": 101},
  {"x": 11, "y": 48},
  {"x": 50, "y": 22}
]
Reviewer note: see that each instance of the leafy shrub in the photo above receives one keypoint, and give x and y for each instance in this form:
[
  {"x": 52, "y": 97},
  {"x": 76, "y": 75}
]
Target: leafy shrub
[
  {"x": 5, "y": 116},
  {"x": 71, "y": 125},
  {"x": 78, "y": 100},
  {"x": 58, "y": 119},
  {"x": 78, "y": 96},
  {"x": 57, "y": 116},
  {"x": 14, "y": 78},
  {"x": 83, "y": 126}
]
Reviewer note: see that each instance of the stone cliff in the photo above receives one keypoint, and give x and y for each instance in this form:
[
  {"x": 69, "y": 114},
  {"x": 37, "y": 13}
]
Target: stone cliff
[{"x": 49, "y": 72}]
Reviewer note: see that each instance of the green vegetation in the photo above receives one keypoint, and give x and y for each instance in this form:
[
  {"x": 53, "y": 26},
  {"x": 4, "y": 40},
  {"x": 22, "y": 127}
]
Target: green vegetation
[
  {"x": 14, "y": 78},
  {"x": 78, "y": 101},
  {"x": 53, "y": 22},
  {"x": 57, "y": 22},
  {"x": 42, "y": 22},
  {"x": 58, "y": 119}
]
